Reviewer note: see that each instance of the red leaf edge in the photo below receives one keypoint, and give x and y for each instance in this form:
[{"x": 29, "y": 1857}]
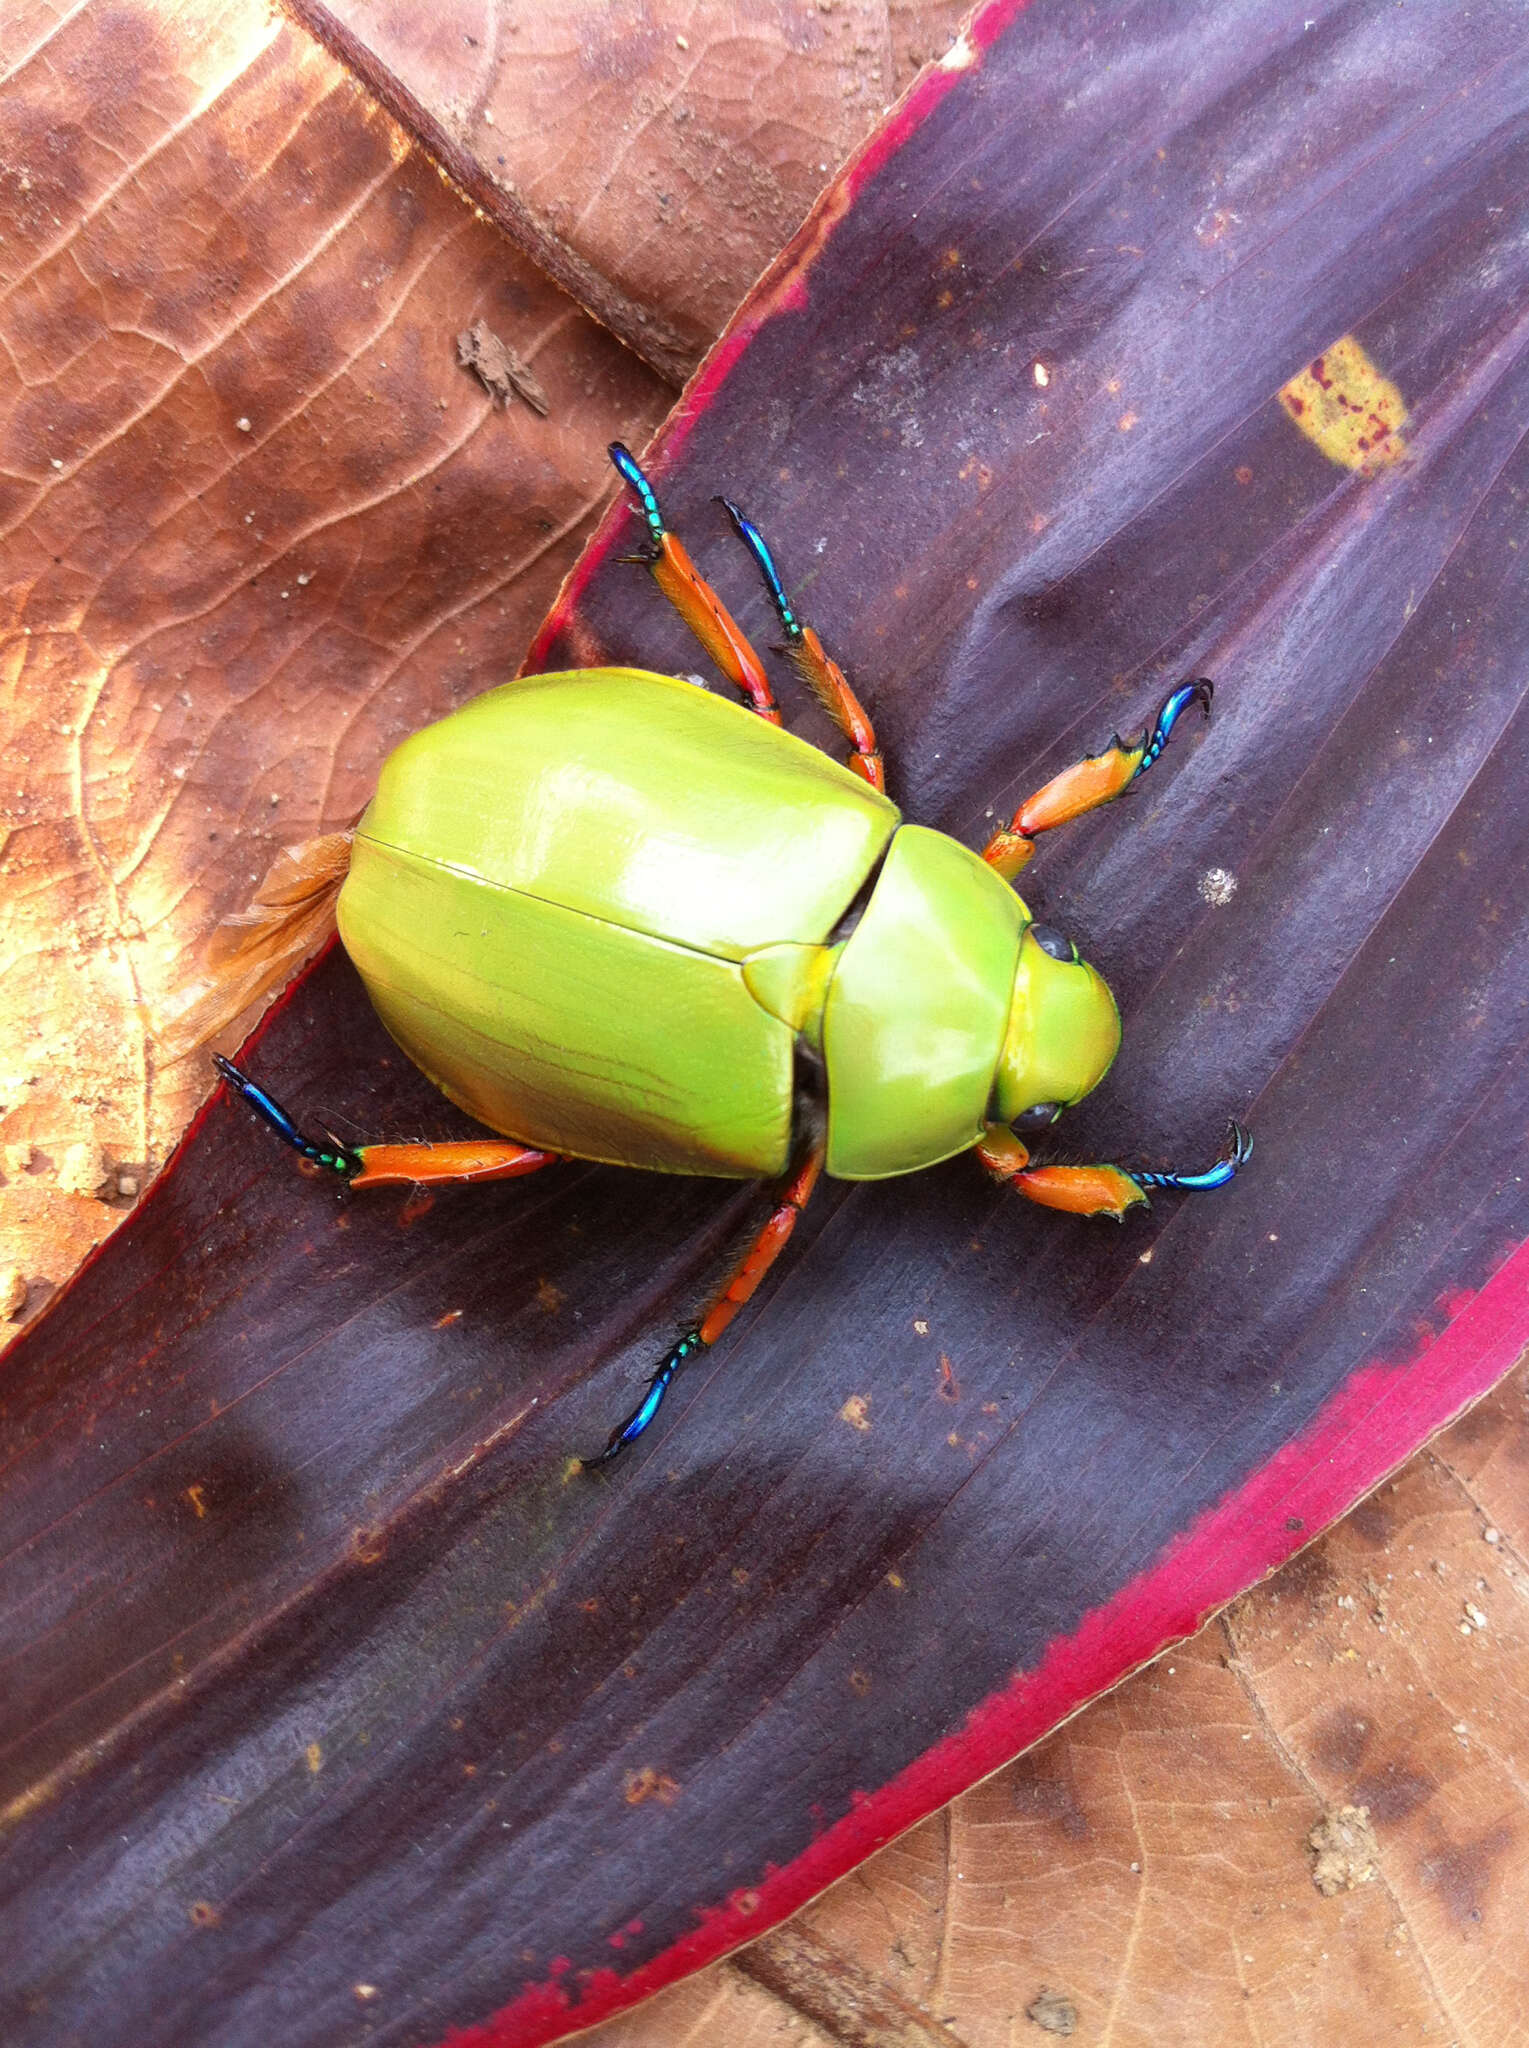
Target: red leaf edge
[{"x": 1316, "y": 1478}]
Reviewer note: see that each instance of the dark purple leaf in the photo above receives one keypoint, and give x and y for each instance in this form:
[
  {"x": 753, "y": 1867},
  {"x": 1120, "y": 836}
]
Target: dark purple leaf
[{"x": 323, "y": 1668}]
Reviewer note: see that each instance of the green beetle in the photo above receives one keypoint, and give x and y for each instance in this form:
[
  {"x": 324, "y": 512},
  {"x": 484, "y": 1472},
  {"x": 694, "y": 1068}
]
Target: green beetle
[{"x": 616, "y": 917}]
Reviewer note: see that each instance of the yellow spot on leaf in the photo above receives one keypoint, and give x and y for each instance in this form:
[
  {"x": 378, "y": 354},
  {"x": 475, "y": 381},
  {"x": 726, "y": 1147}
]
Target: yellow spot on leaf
[
  {"x": 1342, "y": 403},
  {"x": 856, "y": 1411},
  {"x": 315, "y": 1755},
  {"x": 650, "y": 1784}
]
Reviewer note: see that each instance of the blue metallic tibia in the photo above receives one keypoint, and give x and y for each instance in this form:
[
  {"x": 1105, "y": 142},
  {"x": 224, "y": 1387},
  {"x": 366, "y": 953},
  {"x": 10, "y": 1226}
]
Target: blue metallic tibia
[
  {"x": 757, "y": 546},
  {"x": 1174, "y": 707},
  {"x": 628, "y": 471},
  {"x": 1237, "y": 1151},
  {"x": 336, "y": 1158},
  {"x": 627, "y": 1432}
]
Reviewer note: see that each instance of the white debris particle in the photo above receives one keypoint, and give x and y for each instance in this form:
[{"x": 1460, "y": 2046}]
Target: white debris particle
[
  {"x": 1041, "y": 374},
  {"x": 81, "y": 1169},
  {"x": 244, "y": 425},
  {"x": 1218, "y": 886}
]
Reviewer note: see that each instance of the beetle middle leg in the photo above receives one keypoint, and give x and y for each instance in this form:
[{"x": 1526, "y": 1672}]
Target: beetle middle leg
[
  {"x": 379, "y": 1166},
  {"x": 693, "y": 597},
  {"x": 791, "y": 1198},
  {"x": 808, "y": 656},
  {"x": 1087, "y": 784},
  {"x": 1101, "y": 1190}
]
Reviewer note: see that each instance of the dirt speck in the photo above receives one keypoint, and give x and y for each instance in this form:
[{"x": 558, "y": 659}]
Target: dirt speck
[
  {"x": 503, "y": 374},
  {"x": 641, "y": 1786},
  {"x": 1053, "y": 2013},
  {"x": 82, "y": 1169},
  {"x": 1344, "y": 1850}
]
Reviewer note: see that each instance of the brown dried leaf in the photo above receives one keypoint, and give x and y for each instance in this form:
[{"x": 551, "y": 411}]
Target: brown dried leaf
[
  {"x": 651, "y": 158},
  {"x": 258, "y": 525}
]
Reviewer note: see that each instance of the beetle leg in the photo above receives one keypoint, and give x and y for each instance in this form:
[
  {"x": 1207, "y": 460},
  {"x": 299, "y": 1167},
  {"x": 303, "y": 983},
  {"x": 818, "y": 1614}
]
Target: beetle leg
[
  {"x": 375, "y": 1166},
  {"x": 693, "y": 597},
  {"x": 766, "y": 1248},
  {"x": 1101, "y": 1190},
  {"x": 807, "y": 655},
  {"x": 1087, "y": 784}
]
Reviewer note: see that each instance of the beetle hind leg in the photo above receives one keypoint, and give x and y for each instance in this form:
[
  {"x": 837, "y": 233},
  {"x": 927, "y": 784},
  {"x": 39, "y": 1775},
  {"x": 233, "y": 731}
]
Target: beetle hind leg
[
  {"x": 693, "y": 597},
  {"x": 791, "y": 1198},
  {"x": 807, "y": 655},
  {"x": 375, "y": 1166},
  {"x": 1102, "y": 1190}
]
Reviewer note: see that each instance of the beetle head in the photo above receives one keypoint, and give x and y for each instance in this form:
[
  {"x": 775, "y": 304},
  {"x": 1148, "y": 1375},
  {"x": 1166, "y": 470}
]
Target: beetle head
[{"x": 1064, "y": 1028}]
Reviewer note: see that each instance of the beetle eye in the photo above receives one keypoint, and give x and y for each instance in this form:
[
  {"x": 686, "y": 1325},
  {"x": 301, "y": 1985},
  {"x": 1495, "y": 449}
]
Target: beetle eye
[
  {"x": 1036, "y": 1119},
  {"x": 1051, "y": 941}
]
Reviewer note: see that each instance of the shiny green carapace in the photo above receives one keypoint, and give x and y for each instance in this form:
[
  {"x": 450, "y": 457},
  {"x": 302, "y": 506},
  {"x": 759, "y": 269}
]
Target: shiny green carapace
[
  {"x": 616, "y": 917},
  {"x": 602, "y": 912}
]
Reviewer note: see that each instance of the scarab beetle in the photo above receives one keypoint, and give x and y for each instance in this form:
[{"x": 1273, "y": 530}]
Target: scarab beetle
[{"x": 616, "y": 917}]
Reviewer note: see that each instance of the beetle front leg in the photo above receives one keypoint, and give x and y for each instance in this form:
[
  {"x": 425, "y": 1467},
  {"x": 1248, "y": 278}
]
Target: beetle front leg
[
  {"x": 766, "y": 1248},
  {"x": 377, "y": 1166},
  {"x": 693, "y": 597},
  {"x": 1101, "y": 1190},
  {"x": 1087, "y": 784},
  {"x": 807, "y": 655}
]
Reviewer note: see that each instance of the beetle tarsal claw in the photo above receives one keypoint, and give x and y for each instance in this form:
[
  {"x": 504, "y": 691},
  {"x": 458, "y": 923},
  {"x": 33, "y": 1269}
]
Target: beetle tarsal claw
[{"x": 1234, "y": 1153}]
